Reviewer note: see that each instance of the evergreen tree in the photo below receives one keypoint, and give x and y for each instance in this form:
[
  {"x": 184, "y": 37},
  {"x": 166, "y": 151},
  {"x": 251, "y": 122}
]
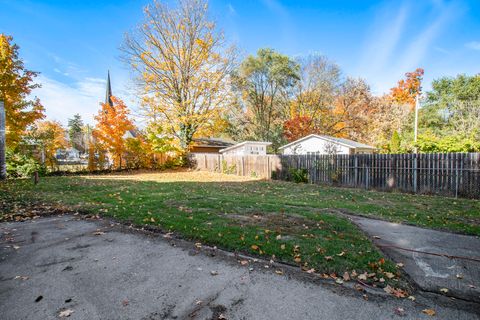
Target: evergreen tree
[{"x": 75, "y": 132}]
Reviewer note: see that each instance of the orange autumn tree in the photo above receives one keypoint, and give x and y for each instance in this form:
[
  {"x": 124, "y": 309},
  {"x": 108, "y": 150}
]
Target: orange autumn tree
[
  {"x": 112, "y": 124},
  {"x": 297, "y": 127},
  {"x": 16, "y": 84},
  {"x": 406, "y": 90}
]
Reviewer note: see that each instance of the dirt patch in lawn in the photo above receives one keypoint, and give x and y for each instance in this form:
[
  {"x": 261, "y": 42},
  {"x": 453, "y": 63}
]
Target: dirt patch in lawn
[{"x": 278, "y": 222}]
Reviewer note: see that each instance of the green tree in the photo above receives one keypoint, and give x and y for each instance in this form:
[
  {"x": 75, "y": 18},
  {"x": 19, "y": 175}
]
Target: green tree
[
  {"x": 265, "y": 83},
  {"x": 395, "y": 143},
  {"x": 75, "y": 132}
]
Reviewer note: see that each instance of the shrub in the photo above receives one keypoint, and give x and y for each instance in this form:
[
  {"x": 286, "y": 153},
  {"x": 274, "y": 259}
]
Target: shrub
[
  {"x": 22, "y": 166},
  {"x": 299, "y": 175}
]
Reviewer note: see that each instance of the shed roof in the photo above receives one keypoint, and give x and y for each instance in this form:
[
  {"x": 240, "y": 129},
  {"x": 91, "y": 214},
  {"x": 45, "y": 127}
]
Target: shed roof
[
  {"x": 264, "y": 143},
  {"x": 345, "y": 142},
  {"x": 212, "y": 142}
]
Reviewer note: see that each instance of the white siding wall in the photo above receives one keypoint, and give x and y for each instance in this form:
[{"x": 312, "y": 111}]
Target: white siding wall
[
  {"x": 248, "y": 149},
  {"x": 315, "y": 145}
]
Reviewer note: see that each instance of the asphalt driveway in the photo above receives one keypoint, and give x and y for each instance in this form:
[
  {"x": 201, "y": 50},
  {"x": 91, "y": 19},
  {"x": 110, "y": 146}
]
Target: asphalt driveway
[{"x": 66, "y": 266}]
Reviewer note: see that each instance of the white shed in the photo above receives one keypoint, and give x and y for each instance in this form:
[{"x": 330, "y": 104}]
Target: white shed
[
  {"x": 322, "y": 144},
  {"x": 247, "y": 148}
]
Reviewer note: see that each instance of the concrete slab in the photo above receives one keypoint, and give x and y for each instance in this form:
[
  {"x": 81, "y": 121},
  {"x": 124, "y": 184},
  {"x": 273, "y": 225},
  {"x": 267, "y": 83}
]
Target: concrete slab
[
  {"x": 431, "y": 273},
  {"x": 103, "y": 272}
]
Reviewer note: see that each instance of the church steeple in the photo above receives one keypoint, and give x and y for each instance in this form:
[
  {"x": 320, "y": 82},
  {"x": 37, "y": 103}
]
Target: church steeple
[{"x": 108, "y": 95}]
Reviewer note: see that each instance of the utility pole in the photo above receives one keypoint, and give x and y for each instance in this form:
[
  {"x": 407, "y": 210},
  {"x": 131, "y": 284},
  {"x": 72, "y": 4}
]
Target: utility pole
[
  {"x": 3, "y": 160},
  {"x": 416, "y": 123}
]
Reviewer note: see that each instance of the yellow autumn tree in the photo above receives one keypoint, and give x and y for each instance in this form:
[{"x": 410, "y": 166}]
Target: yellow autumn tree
[
  {"x": 112, "y": 123},
  {"x": 16, "y": 84},
  {"x": 184, "y": 66},
  {"x": 49, "y": 136}
]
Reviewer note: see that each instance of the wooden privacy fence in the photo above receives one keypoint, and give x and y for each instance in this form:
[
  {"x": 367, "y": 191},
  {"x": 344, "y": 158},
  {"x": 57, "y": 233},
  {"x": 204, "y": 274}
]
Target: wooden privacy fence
[
  {"x": 249, "y": 166},
  {"x": 450, "y": 174}
]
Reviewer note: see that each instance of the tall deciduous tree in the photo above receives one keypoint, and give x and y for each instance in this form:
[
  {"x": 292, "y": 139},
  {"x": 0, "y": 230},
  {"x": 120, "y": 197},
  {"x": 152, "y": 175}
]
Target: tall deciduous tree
[
  {"x": 265, "y": 82},
  {"x": 183, "y": 66},
  {"x": 16, "y": 84},
  {"x": 112, "y": 124}
]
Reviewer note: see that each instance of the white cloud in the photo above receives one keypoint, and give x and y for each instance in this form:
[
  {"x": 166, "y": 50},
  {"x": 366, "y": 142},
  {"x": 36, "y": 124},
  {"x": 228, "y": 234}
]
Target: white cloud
[
  {"x": 392, "y": 50},
  {"x": 231, "y": 9},
  {"x": 474, "y": 45},
  {"x": 62, "y": 101}
]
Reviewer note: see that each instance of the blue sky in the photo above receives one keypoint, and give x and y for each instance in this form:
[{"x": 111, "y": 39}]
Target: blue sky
[{"x": 74, "y": 43}]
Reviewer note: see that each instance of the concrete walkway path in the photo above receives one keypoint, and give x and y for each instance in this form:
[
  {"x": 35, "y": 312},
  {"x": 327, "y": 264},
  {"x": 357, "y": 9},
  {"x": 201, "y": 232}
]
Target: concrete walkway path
[
  {"x": 59, "y": 266},
  {"x": 432, "y": 273}
]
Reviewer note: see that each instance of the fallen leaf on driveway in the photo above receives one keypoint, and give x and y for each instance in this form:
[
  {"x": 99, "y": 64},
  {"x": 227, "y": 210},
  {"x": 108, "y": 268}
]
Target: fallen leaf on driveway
[
  {"x": 411, "y": 298},
  {"x": 125, "y": 302},
  {"x": 244, "y": 262},
  {"x": 16, "y": 247},
  {"x": 339, "y": 281},
  {"x": 280, "y": 272},
  {"x": 98, "y": 233},
  {"x": 376, "y": 237},
  {"x": 214, "y": 273},
  {"x": 21, "y": 277},
  {"x": 399, "y": 311},
  {"x": 399, "y": 293},
  {"x": 346, "y": 276},
  {"x": 429, "y": 312},
  {"x": 459, "y": 276},
  {"x": 444, "y": 290},
  {"x": 65, "y": 313}
]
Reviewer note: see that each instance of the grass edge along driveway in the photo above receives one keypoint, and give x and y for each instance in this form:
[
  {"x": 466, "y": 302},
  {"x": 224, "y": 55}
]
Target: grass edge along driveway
[{"x": 288, "y": 222}]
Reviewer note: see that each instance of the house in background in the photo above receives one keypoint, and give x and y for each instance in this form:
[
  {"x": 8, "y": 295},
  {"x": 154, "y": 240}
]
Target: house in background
[
  {"x": 322, "y": 144},
  {"x": 247, "y": 148},
  {"x": 210, "y": 145}
]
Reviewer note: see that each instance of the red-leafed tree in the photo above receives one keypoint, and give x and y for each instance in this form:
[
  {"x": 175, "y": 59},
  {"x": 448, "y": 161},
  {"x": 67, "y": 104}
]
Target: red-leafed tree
[{"x": 298, "y": 127}]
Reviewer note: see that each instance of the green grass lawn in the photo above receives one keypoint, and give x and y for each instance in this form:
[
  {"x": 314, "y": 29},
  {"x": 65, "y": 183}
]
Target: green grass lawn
[{"x": 295, "y": 223}]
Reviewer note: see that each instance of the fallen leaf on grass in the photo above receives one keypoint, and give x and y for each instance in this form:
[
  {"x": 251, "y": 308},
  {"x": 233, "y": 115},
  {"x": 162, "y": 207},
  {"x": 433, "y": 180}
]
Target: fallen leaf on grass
[
  {"x": 339, "y": 281},
  {"x": 389, "y": 275},
  {"x": 328, "y": 258},
  {"x": 282, "y": 247},
  {"x": 65, "y": 313},
  {"x": 429, "y": 312},
  {"x": 254, "y": 247},
  {"x": 346, "y": 276},
  {"x": 363, "y": 277}
]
